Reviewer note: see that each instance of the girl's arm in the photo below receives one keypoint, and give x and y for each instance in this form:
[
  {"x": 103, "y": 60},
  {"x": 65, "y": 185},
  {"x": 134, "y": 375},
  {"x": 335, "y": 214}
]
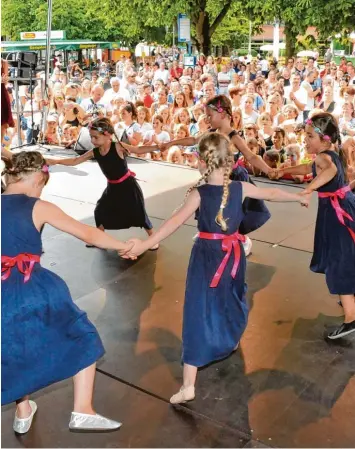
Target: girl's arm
[
  {"x": 185, "y": 142},
  {"x": 252, "y": 158},
  {"x": 302, "y": 169},
  {"x": 45, "y": 212},
  {"x": 138, "y": 149},
  {"x": 327, "y": 173},
  {"x": 72, "y": 160},
  {"x": 178, "y": 218},
  {"x": 251, "y": 191}
]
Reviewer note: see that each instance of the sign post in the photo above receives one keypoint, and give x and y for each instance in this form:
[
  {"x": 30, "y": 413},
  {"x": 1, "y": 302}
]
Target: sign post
[{"x": 184, "y": 28}]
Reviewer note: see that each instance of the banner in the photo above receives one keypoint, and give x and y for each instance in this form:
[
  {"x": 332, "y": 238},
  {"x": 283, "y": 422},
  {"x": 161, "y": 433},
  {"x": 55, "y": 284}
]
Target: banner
[
  {"x": 184, "y": 28},
  {"x": 31, "y": 35}
]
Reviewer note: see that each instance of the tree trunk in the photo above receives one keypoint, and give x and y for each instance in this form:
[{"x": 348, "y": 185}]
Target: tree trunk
[
  {"x": 203, "y": 40},
  {"x": 291, "y": 38}
]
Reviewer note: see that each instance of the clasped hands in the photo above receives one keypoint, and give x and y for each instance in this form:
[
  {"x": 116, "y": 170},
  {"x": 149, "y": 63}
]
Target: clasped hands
[{"x": 133, "y": 248}]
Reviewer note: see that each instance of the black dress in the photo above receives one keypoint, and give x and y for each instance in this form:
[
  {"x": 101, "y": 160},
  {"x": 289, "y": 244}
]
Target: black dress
[{"x": 121, "y": 205}]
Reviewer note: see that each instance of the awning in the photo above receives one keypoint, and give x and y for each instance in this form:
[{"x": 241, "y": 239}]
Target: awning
[{"x": 7, "y": 46}]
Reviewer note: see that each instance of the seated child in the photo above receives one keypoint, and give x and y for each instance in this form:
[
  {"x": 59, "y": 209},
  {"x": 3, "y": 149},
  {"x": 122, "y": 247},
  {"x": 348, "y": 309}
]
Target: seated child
[
  {"x": 203, "y": 124},
  {"x": 155, "y": 155},
  {"x": 349, "y": 151},
  {"x": 279, "y": 141},
  {"x": 254, "y": 147},
  {"x": 51, "y": 136},
  {"x": 65, "y": 139},
  {"x": 293, "y": 158},
  {"x": 175, "y": 156},
  {"x": 272, "y": 158},
  {"x": 191, "y": 157},
  {"x": 73, "y": 136}
]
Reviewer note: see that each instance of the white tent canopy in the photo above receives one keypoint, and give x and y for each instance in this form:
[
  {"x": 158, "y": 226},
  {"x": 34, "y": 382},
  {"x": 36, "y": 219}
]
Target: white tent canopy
[{"x": 270, "y": 47}]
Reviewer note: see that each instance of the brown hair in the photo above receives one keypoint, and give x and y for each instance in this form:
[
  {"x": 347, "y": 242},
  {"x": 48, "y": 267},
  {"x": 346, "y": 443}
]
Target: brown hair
[
  {"x": 183, "y": 128},
  {"x": 222, "y": 102},
  {"x": 24, "y": 164},
  {"x": 216, "y": 151},
  {"x": 235, "y": 91},
  {"x": 146, "y": 111},
  {"x": 184, "y": 104},
  {"x": 129, "y": 107},
  {"x": 329, "y": 127}
]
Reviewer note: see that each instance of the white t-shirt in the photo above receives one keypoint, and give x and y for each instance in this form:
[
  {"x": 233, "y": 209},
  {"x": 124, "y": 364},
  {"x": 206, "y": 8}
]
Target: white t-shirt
[
  {"x": 163, "y": 137},
  {"x": 301, "y": 96},
  {"x": 264, "y": 65},
  {"x": 250, "y": 119},
  {"x": 162, "y": 75},
  {"x": 130, "y": 129},
  {"x": 110, "y": 94},
  {"x": 223, "y": 82},
  {"x": 89, "y": 106},
  {"x": 310, "y": 101},
  {"x": 143, "y": 129}
]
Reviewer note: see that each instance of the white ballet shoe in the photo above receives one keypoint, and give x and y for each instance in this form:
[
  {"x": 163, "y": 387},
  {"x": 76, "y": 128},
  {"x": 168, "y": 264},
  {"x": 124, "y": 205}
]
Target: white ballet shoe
[
  {"x": 22, "y": 425},
  {"x": 82, "y": 422},
  {"x": 185, "y": 394}
]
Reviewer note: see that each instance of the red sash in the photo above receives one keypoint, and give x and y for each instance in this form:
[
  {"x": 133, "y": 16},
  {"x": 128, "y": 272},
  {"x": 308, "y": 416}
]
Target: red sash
[
  {"x": 229, "y": 242},
  {"x": 124, "y": 177},
  {"x": 25, "y": 263},
  {"x": 334, "y": 200}
]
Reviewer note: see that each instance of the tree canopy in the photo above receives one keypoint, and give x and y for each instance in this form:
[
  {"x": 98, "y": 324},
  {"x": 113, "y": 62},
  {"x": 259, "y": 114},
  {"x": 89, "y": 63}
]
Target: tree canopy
[{"x": 213, "y": 22}]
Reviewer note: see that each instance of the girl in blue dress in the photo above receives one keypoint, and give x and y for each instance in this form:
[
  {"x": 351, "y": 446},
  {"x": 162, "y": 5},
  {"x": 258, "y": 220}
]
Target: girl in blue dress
[
  {"x": 334, "y": 242},
  {"x": 219, "y": 113},
  {"x": 45, "y": 337},
  {"x": 215, "y": 310}
]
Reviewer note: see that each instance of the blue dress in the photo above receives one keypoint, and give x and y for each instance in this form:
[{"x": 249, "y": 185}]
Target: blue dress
[
  {"x": 334, "y": 248},
  {"x": 45, "y": 337},
  {"x": 214, "y": 318}
]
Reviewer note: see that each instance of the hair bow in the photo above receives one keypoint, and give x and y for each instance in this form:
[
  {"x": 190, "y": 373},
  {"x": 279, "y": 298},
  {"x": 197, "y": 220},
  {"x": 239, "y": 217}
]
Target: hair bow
[{"x": 318, "y": 130}]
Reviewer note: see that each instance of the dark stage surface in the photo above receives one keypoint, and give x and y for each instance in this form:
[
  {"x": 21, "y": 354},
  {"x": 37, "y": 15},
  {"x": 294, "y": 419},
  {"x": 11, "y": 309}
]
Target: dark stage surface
[{"x": 286, "y": 386}]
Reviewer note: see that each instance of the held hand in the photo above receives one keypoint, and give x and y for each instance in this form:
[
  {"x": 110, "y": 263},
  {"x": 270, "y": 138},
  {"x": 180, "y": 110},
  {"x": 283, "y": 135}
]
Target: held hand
[
  {"x": 306, "y": 191},
  {"x": 134, "y": 250},
  {"x": 304, "y": 198},
  {"x": 273, "y": 174},
  {"x": 127, "y": 246},
  {"x": 163, "y": 147}
]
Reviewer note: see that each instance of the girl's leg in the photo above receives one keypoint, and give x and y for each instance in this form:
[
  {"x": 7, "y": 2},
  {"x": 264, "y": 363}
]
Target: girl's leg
[
  {"x": 348, "y": 302},
  {"x": 190, "y": 373},
  {"x": 348, "y": 327},
  {"x": 23, "y": 408},
  {"x": 83, "y": 390},
  {"x": 187, "y": 391}
]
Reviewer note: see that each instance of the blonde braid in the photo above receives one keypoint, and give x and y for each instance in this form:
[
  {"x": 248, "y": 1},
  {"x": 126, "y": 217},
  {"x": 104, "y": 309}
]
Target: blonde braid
[
  {"x": 219, "y": 218},
  {"x": 211, "y": 165}
]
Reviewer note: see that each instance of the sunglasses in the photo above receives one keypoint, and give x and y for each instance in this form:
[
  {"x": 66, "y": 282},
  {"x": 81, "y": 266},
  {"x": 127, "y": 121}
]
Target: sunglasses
[{"x": 59, "y": 98}]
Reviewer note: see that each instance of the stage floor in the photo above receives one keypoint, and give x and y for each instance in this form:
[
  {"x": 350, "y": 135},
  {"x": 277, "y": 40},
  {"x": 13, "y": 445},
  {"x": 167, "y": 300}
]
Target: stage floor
[{"x": 286, "y": 386}]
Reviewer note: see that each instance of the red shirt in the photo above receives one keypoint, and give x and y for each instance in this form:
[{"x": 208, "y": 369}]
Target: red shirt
[
  {"x": 148, "y": 101},
  {"x": 176, "y": 73}
]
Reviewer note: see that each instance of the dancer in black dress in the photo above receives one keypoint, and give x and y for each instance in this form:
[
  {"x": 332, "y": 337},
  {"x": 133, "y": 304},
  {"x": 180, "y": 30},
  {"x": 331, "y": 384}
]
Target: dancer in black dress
[{"x": 121, "y": 205}]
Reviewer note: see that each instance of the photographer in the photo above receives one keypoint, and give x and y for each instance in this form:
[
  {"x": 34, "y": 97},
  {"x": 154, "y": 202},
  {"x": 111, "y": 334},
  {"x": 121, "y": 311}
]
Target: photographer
[{"x": 94, "y": 106}]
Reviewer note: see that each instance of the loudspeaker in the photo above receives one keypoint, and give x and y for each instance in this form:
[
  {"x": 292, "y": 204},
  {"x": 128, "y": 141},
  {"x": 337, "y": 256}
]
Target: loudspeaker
[{"x": 23, "y": 59}]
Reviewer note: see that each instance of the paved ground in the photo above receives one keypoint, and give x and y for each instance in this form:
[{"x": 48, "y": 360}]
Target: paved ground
[{"x": 285, "y": 387}]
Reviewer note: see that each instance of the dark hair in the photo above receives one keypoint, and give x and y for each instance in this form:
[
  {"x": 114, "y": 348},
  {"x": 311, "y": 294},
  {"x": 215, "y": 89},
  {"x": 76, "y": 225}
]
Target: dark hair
[
  {"x": 281, "y": 131},
  {"x": 328, "y": 126},
  {"x": 221, "y": 101},
  {"x": 129, "y": 107},
  {"x": 104, "y": 126}
]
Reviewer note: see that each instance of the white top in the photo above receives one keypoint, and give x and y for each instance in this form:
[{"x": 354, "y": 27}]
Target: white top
[
  {"x": 223, "y": 82},
  {"x": 110, "y": 94},
  {"x": 264, "y": 65},
  {"x": 253, "y": 118},
  {"x": 301, "y": 95},
  {"x": 163, "y": 137},
  {"x": 162, "y": 75},
  {"x": 143, "y": 129},
  {"x": 310, "y": 101}
]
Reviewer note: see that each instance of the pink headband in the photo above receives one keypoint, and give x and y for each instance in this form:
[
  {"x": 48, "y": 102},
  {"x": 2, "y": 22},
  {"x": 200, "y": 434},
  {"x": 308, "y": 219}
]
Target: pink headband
[
  {"x": 45, "y": 168},
  {"x": 318, "y": 130},
  {"x": 217, "y": 107}
]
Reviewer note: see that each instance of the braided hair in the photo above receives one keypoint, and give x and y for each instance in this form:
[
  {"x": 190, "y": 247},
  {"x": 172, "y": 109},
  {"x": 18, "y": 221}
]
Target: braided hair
[
  {"x": 105, "y": 126},
  {"x": 215, "y": 150},
  {"x": 24, "y": 164}
]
